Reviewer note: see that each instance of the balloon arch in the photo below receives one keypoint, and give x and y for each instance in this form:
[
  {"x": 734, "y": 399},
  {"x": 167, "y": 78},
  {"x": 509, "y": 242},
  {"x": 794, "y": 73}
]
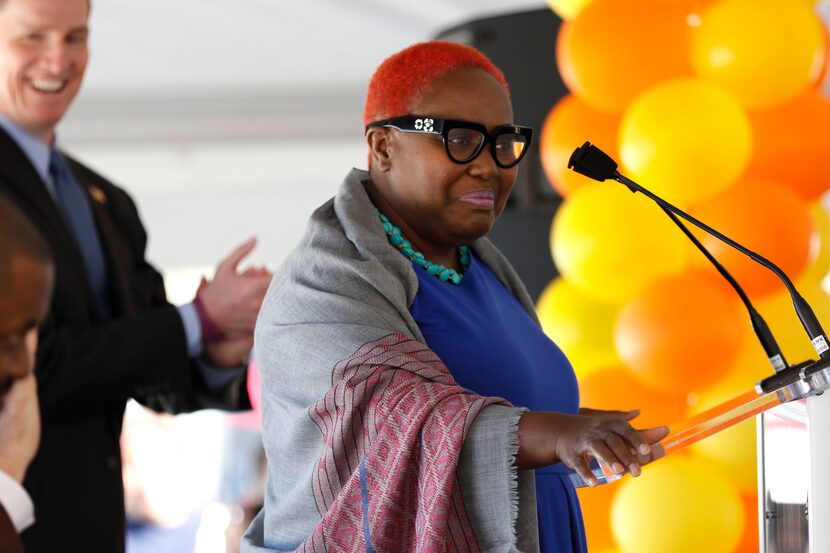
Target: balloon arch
[{"x": 717, "y": 106}]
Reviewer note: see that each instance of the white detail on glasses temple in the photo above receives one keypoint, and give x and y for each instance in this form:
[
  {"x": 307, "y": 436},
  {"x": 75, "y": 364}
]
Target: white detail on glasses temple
[{"x": 424, "y": 124}]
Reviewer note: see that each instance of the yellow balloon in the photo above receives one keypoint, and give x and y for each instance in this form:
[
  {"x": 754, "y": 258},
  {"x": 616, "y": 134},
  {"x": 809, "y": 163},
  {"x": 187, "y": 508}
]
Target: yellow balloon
[
  {"x": 778, "y": 311},
  {"x": 580, "y": 325},
  {"x": 820, "y": 264},
  {"x": 685, "y": 140},
  {"x": 568, "y": 9},
  {"x": 734, "y": 450},
  {"x": 612, "y": 244},
  {"x": 764, "y": 51},
  {"x": 678, "y": 505}
]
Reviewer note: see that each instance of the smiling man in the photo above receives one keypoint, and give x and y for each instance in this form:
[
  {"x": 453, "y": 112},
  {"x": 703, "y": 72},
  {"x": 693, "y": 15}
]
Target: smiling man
[
  {"x": 110, "y": 335},
  {"x": 26, "y": 281},
  {"x": 40, "y": 87}
]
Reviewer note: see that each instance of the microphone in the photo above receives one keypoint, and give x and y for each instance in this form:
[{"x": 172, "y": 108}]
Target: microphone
[
  {"x": 592, "y": 162},
  {"x": 759, "y": 325}
]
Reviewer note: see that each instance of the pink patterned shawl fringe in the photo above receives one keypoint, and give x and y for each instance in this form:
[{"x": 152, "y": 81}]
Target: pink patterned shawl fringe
[{"x": 393, "y": 424}]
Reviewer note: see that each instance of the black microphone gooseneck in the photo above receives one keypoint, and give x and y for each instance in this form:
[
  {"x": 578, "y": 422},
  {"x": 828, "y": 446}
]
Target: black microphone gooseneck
[
  {"x": 594, "y": 163},
  {"x": 759, "y": 325}
]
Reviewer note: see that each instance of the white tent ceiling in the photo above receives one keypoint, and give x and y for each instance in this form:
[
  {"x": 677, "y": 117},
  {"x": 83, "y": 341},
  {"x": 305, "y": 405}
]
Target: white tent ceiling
[
  {"x": 185, "y": 70},
  {"x": 173, "y": 44}
]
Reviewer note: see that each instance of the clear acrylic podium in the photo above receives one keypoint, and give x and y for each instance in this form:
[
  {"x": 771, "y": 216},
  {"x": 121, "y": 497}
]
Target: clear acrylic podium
[
  {"x": 784, "y": 478},
  {"x": 793, "y": 422},
  {"x": 794, "y": 489}
]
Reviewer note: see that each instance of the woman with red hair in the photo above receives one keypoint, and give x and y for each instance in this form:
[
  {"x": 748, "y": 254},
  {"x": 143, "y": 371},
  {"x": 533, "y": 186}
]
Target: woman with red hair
[{"x": 410, "y": 400}]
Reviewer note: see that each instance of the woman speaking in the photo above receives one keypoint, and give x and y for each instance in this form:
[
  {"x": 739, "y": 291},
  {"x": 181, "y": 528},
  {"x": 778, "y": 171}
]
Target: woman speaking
[{"x": 407, "y": 388}]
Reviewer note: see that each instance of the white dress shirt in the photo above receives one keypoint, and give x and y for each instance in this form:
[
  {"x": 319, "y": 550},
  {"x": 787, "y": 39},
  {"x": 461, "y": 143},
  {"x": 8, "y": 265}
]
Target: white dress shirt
[{"x": 16, "y": 502}]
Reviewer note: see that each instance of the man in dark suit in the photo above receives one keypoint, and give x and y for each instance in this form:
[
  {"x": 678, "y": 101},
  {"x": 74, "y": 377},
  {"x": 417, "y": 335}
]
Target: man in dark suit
[
  {"x": 26, "y": 279},
  {"x": 110, "y": 333}
]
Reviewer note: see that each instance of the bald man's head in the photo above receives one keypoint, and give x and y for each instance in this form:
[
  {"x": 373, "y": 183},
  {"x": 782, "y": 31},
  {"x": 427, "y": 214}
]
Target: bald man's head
[
  {"x": 26, "y": 280},
  {"x": 18, "y": 239}
]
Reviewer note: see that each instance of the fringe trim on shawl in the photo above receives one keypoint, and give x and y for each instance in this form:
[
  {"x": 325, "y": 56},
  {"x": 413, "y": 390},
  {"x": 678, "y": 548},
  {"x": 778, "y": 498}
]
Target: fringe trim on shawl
[{"x": 514, "y": 474}]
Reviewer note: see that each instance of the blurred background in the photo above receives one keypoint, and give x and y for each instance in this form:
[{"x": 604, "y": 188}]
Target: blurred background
[{"x": 226, "y": 120}]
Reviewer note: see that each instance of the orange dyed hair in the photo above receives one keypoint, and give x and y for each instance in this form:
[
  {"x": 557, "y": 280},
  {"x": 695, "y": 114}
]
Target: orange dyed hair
[{"x": 404, "y": 76}]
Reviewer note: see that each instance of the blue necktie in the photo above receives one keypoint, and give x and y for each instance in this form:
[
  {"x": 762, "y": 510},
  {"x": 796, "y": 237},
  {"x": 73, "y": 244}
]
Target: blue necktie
[{"x": 77, "y": 213}]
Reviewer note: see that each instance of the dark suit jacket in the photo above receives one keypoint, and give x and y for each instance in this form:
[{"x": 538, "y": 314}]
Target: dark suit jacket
[
  {"x": 88, "y": 368},
  {"x": 9, "y": 540}
]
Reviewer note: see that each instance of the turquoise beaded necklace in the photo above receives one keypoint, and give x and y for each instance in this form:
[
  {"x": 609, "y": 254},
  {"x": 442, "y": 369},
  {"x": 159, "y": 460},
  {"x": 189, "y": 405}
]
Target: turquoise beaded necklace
[{"x": 445, "y": 274}]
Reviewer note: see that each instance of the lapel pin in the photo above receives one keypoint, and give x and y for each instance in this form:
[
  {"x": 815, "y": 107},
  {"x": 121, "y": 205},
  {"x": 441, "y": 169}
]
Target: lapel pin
[{"x": 97, "y": 194}]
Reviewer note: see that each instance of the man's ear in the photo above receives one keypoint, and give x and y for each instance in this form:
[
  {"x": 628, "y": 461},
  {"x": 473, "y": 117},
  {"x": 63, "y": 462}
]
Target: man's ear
[{"x": 378, "y": 139}]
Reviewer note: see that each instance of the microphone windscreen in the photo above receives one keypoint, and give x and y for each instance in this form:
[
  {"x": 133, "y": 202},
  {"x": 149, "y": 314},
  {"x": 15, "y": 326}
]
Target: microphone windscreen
[{"x": 592, "y": 162}]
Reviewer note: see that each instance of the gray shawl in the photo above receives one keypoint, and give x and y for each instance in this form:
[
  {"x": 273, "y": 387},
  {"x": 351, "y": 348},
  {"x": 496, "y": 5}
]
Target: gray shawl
[{"x": 335, "y": 306}]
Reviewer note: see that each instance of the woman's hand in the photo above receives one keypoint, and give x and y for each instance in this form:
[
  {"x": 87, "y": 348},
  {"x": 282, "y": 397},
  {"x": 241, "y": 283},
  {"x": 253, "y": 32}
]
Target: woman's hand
[{"x": 546, "y": 438}]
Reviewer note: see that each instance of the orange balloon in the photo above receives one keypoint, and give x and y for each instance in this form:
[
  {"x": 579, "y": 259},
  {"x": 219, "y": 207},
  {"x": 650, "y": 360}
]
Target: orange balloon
[
  {"x": 617, "y": 389},
  {"x": 690, "y": 6},
  {"x": 750, "y": 367},
  {"x": 734, "y": 450},
  {"x": 764, "y": 217},
  {"x": 614, "y": 49},
  {"x": 595, "y": 504},
  {"x": 792, "y": 144},
  {"x": 569, "y": 124},
  {"x": 682, "y": 334},
  {"x": 750, "y": 541}
]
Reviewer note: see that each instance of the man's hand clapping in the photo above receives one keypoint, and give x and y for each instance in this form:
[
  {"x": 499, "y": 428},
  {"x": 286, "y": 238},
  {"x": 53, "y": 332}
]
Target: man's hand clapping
[{"x": 232, "y": 301}]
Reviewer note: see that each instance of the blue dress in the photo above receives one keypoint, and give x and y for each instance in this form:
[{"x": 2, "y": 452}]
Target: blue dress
[{"x": 493, "y": 347}]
